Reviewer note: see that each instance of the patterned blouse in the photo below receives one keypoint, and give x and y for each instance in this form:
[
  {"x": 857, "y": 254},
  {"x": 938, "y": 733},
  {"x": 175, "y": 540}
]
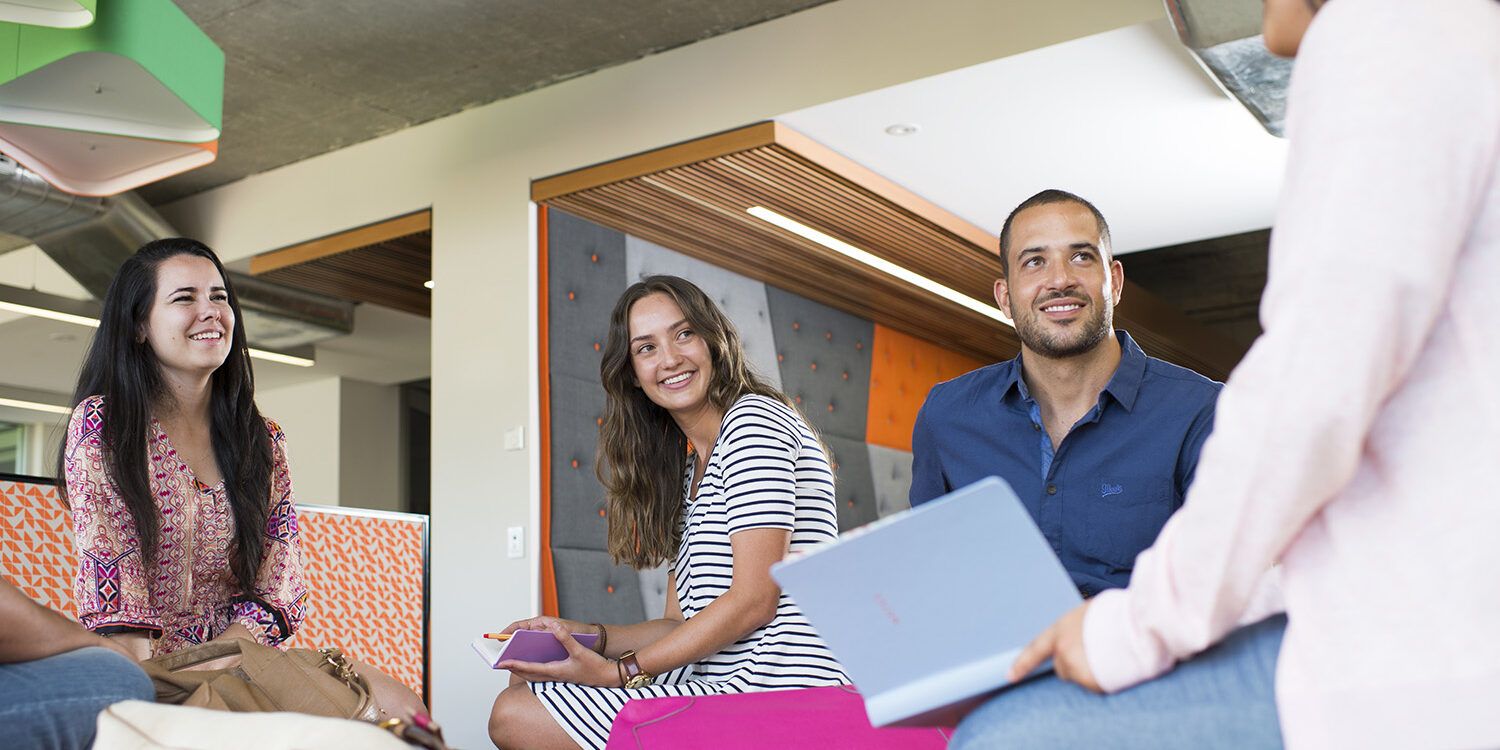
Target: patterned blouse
[{"x": 191, "y": 595}]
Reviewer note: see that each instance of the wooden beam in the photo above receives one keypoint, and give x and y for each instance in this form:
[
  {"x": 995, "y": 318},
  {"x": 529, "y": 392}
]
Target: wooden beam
[
  {"x": 657, "y": 160},
  {"x": 342, "y": 242}
]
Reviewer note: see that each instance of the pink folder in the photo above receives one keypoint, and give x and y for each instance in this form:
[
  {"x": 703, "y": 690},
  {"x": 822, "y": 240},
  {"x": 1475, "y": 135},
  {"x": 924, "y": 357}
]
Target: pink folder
[{"x": 807, "y": 717}]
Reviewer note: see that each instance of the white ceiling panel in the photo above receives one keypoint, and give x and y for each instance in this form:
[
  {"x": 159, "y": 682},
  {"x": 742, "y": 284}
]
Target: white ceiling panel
[{"x": 1126, "y": 119}]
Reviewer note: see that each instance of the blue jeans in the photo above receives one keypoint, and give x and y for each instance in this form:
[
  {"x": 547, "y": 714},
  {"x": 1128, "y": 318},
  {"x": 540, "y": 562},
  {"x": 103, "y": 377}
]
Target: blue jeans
[
  {"x": 1224, "y": 697},
  {"x": 52, "y": 703}
]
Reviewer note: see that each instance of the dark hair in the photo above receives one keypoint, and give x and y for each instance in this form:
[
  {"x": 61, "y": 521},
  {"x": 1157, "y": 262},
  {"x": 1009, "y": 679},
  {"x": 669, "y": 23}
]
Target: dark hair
[
  {"x": 642, "y": 452},
  {"x": 1046, "y": 198},
  {"x": 127, "y": 374}
]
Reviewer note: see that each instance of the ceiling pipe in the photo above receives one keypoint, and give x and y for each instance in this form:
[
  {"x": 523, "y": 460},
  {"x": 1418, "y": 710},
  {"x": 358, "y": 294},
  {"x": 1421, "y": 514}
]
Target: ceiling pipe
[{"x": 90, "y": 237}]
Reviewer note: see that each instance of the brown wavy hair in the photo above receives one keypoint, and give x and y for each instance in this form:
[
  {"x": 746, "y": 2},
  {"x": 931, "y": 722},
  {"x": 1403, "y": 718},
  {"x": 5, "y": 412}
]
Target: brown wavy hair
[{"x": 642, "y": 453}]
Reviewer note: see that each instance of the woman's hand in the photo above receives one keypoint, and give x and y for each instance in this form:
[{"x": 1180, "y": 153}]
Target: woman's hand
[
  {"x": 582, "y": 667},
  {"x": 235, "y": 630},
  {"x": 543, "y": 622},
  {"x": 1063, "y": 644}
]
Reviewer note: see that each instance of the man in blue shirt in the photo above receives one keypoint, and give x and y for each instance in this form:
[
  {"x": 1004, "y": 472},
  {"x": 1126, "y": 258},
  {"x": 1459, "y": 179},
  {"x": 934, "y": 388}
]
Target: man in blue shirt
[{"x": 1099, "y": 440}]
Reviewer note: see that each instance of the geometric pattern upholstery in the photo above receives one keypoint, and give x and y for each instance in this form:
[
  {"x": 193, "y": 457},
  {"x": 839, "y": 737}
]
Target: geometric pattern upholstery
[
  {"x": 366, "y": 572},
  {"x": 36, "y": 544},
  {"x": 860, "y": 386}
]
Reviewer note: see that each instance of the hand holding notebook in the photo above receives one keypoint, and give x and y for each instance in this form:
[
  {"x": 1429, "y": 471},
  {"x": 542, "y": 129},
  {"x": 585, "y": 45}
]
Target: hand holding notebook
[{"x": 535, "y": 646}]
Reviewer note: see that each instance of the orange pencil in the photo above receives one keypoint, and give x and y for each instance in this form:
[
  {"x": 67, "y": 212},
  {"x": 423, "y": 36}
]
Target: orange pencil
[{"x": 498, "y": 636}]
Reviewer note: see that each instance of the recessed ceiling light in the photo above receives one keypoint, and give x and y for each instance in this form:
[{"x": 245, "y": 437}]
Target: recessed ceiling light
[
  {"x": 427, "y": 283},
  {"x": 903, "y": 128}
]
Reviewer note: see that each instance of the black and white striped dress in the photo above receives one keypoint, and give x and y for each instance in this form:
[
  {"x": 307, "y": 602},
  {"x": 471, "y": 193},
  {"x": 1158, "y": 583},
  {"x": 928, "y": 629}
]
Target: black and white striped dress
[{"x": 766, "y": 471}]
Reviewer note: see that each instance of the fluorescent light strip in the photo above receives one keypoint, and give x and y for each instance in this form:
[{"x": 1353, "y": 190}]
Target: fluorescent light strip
[
  {"x": 286, "y": 359},
  {"x": 35, "y": 406},
  {"x": 42, "y": 312},
  {"x": 83, "y": 320},
  {"x": 878, "y": 263}
]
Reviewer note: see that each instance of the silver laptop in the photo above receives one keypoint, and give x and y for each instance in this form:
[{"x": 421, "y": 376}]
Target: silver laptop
[{"x": 928, "y": 608}]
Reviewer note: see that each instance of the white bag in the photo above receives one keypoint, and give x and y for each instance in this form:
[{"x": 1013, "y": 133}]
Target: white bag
[{"x": 139, "y": 725}]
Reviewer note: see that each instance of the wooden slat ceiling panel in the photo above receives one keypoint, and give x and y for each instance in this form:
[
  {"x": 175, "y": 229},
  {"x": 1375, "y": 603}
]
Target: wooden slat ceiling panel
[
  {"x": 693, "y": 197},
  {"x": 389, "y": 273}
]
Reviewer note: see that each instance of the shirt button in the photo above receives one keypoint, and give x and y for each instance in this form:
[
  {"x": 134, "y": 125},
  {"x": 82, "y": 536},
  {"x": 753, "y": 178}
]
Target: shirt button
[
  {"x": 1036, "y": 427},
  {"x": 1052, "y": 489}
]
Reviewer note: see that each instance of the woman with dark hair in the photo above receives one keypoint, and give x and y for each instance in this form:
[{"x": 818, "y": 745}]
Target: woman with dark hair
[
  {"x": 182, "y": 506},
  {"x": 707, "y": 467}
]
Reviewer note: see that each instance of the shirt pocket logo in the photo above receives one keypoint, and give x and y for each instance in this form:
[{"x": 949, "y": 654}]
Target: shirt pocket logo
[{"x": 1106, "y": 489}]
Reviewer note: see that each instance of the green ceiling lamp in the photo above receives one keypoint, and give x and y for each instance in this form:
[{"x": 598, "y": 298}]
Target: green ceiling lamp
[
  {"x": 136, "y": 97},
  {"x": 62, "y": 14}
]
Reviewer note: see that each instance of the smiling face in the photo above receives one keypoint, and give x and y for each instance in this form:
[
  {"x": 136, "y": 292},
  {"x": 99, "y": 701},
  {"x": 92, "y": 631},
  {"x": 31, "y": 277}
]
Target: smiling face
[
  {"x": 191, "y": 325},
  {"x": 1060, "y": 287},
  {"x": 670, "y": 360}
]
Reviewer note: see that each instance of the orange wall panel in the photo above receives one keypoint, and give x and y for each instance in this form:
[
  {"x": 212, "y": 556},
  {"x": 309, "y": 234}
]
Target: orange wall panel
[{"x": 903, "y": 369}]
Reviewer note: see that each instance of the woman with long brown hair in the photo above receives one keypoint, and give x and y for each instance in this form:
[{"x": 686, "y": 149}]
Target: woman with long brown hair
[{"x": 708, "y": 467}]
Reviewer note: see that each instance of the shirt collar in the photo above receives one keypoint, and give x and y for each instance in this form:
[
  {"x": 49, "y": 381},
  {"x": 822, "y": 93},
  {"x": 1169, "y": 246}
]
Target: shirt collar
[
  {"x": 1123, "y": 386},
  {"x": 1126, "y": 383}
]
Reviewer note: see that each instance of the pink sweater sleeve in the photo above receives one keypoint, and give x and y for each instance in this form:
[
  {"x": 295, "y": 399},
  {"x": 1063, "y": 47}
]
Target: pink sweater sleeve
[{"x": 1392, "y": 135}]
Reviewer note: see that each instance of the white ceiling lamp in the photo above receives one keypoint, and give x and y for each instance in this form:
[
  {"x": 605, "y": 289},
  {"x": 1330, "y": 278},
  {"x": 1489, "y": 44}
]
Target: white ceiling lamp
[
  {"x": 135, "y": 97},
  {"x": 60, "y": 14},
  {"x": 78, "y": 312},
  {"x": 16, "y": 403},
  {"x": 878, "y": 263}
]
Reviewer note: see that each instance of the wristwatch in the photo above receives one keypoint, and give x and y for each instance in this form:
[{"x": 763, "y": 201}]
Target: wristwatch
[{"x": 631, "y": 674}]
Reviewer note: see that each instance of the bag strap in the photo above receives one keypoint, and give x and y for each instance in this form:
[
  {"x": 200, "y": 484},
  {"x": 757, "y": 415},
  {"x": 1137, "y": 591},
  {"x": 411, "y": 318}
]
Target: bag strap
[{"x": 197, "y": 654}]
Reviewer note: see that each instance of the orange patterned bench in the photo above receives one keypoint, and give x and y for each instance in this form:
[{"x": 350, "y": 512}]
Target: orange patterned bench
[{"x": 366, "y": 571}]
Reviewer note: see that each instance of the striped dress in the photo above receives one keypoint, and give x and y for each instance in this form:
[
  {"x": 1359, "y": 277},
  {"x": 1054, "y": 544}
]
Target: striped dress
[{"x": 766, "y": 471}]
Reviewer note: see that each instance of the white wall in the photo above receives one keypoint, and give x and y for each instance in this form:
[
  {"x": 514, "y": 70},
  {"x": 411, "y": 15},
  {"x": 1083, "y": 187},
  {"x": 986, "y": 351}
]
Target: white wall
[
  {"x": 370, "y": 450},
  {"x": 309, "y": 414},
  {"x": 474, "y": 168}
]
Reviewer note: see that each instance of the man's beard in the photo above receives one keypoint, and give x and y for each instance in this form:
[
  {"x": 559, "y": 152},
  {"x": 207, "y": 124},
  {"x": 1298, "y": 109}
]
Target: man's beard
[{"x": 1080, "y": 339}]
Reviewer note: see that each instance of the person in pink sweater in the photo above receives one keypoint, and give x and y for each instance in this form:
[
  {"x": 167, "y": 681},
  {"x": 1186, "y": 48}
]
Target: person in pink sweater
[{"x": 1355, "y": 447}]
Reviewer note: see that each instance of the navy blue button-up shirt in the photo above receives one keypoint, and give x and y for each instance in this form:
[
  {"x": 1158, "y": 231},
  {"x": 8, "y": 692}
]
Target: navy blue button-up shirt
[{"x": 1104, "y": 494}]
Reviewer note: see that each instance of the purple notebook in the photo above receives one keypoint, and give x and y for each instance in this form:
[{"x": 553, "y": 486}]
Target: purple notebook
[{"x": 527, "y": 645}]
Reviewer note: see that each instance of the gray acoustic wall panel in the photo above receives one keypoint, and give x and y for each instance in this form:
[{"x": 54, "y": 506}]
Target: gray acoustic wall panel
[
  {"x": 654, "y": 590},
  {"x": 590, "y": 588},
  {"x": 741, "y": 298},
  {"x": 577, "y": 496},
  {"x": 891, "y": 470},
  {"x": 585, "y": 275},
  {"x": 854, "y": 488},
  {"x": 824, "y": 355}
]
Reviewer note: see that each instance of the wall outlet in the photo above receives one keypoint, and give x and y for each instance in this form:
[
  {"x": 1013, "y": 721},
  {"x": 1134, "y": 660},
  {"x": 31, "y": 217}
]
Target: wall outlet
[{"x": 515, "y": 541}]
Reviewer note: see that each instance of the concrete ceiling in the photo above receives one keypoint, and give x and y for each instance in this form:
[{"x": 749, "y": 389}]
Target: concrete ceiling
[{"x": 304, "y": 77}]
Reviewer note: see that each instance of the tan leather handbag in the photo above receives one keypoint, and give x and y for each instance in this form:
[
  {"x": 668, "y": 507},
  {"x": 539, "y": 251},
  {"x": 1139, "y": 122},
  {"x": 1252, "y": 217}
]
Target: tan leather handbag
[{"x": 321, "y": 682}]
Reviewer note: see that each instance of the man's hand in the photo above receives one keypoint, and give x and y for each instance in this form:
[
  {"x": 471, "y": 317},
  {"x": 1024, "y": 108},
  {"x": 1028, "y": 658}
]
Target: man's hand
[{"x": 1063, "y": 643}]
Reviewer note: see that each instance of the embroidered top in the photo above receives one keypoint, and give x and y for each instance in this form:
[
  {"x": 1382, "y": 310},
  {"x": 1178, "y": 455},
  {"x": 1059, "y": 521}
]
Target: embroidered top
[{"x": 191, "y": 595}]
